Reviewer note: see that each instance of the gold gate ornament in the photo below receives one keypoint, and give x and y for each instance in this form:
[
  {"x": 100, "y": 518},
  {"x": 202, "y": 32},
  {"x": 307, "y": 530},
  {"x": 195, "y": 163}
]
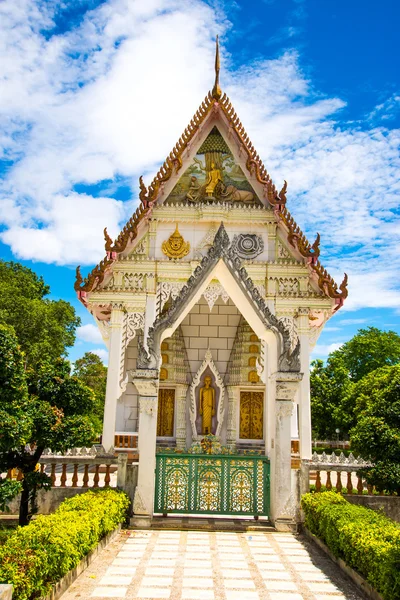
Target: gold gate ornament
[{"x": 175, "y": 246}]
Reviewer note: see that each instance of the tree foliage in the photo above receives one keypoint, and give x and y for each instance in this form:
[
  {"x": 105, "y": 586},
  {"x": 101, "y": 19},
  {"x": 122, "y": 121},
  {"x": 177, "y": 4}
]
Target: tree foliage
[
  {"x": 329, "y": 384},
  {"x": 91, "y": 371},
  {"x": 332, "y": 399},
  {"x": 376, "y": 434},
  {"x": 43, "y": 327},
  {"x": 41, "y": 408},
  {"x": 370, "y": 349}
]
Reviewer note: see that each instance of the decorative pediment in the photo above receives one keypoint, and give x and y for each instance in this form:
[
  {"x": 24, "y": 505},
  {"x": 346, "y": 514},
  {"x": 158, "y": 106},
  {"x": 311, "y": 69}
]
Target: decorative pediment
[{"x": 220, "y": 250}]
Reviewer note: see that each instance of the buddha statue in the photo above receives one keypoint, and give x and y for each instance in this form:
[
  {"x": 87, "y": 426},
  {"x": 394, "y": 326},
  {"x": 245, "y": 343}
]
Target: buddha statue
[
  {"x": 207, "y": 405},
  {"x": 213, "y": 177}
]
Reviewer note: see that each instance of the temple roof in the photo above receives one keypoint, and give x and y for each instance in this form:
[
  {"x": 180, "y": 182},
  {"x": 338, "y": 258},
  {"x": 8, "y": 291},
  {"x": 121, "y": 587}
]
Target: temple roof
[{"x": 219, "y": 103}]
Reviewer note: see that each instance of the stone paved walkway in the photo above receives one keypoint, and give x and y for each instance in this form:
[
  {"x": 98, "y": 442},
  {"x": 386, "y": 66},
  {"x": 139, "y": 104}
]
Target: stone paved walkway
[{"x": 196, "y": 565}]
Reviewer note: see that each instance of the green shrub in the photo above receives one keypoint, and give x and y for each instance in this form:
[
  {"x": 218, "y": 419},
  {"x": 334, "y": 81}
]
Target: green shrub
[
  {"x": 40, "y": 554},
  {"x": 366, "y": 540}
]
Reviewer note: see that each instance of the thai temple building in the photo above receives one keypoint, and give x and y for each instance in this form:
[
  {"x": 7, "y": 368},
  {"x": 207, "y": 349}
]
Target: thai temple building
[{"x": 210, "y": 301}]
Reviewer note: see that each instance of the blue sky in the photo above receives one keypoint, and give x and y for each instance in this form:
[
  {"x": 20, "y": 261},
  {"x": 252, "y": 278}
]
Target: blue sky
[{"x": 93, "y": 94}]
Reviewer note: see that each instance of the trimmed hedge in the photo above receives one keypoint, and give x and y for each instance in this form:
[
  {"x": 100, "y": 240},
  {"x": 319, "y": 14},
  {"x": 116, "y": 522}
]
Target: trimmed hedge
[
  {"x": 366, "y": 540},
  {"x": 39, "y": 555}
]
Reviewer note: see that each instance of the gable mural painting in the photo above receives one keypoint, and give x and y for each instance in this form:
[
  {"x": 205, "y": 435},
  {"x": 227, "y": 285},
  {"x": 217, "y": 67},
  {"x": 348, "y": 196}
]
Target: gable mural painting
[{"x": 213, "y": 175}]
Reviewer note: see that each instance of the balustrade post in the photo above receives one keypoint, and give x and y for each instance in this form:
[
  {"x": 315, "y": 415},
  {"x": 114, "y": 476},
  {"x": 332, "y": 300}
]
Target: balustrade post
[
  {"x": 349, "y": 484},
  {"x": 121, "y": 472}
]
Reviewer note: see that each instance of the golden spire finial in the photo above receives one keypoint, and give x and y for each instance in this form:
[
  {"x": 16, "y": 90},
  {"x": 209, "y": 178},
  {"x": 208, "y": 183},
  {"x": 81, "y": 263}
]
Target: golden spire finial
[{"x": 216, "y": 91}]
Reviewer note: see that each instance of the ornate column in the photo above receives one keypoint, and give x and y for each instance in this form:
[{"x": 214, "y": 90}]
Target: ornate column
[
  {"x": 283, "y": 503},
  {"x": 146, "y": 382},
  {"x": 113, "y": 390},
  {"x": 231, "y": 434},
  {"x": 180, "y": 407},
  {"x": 305, "y": 434}
]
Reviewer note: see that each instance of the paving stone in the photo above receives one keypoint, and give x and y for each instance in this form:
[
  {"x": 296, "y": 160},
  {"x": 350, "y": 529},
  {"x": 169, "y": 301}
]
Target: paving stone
[
  {"x": 284, "y": 586},
  {"x": 121, "y": 571},
  {"x": 115, "y": 580},
  {"x": 153, "y": 581},
  {"x": 197, "y": 572},
  {"x": 330, "y": 596},
  {"x": 270, "y": 566},
  {"x": 197, "y": 582},
  {"x": 153, "y": 593},
  {"x": 159, "y": 571},
  {"x": 316, "y": 575},
  {"x": 281, "y": 575},
  {"x": 235, "y": 573},
  {"x": 305, "y": 567},
  {"x": 192, "y": 594},
  {"x": 125, "y": 562},
  {"x": 162, "y": 562},
  {"x": 239, "y": 583},
  {"x": 285, "y": 596},
  {"x": 239, "y": 595},
  {"x": 109, "y": 592},
  {"x": 322, "y": 587}
]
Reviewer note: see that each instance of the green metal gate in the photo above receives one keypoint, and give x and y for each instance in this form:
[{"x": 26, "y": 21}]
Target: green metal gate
[{"x": 219, "y": 484}]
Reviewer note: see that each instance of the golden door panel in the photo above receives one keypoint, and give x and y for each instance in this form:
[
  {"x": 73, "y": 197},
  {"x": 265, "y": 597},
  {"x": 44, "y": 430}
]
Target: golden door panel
[
  {"x": 251, "y": 415},
  {"x": 166, "y": 413}
]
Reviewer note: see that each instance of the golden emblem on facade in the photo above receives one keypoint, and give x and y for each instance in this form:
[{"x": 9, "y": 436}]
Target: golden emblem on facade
[{"x": 175, "y": 246}]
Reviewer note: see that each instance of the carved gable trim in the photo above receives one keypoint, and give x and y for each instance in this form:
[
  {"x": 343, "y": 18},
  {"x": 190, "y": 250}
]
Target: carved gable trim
[{"x": 221, "y": 249}]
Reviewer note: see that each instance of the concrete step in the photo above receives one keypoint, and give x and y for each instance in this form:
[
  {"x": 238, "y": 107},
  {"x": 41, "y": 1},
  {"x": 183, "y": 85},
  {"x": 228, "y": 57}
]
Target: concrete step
[{"x": 206, "y": 523}]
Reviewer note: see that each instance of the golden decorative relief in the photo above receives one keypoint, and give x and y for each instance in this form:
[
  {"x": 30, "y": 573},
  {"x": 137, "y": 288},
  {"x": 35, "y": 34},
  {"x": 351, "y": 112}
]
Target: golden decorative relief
[
  {"x": 164, "y": 346},
  {"x": 175, "y": 246},
  {"x": 254, "y": 349},
  {"x": 252, "y": 361},
  {"x": 254, "y": 338},
  {"x": 251, "y": 415},
  {"x": 163, "y": 374},
  {"x": 253, "y": 377},
  {"x": 166, "y": 411},
  {"x": 164, "y": 359}
]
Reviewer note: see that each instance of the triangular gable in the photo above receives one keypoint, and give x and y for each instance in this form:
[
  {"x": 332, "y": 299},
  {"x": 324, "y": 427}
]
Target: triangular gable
[
  {"x": 216, "y": 108},
  {"x": 168, "y": 320}
]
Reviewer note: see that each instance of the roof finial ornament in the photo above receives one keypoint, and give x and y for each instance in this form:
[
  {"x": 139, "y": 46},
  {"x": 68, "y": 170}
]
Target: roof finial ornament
[{"x": 216, "y": 91}]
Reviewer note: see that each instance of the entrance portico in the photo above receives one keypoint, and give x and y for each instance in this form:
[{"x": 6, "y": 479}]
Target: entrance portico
[{"x": 283, "y": 368}]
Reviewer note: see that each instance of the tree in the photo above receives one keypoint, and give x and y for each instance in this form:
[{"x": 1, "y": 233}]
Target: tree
[
  {"x": 41, "y": 408},
  {"x": 376, "y": 434},
  {"x": 328, "y": 385},
  {"x": 43, "y": 327},
  {"x": 368, "y": 350},
  {"x": 91, "y": 371},
  {"x": 332, "y": 401}
]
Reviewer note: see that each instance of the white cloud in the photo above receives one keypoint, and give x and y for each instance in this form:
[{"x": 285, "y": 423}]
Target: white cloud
[
  {"x": 102, "y": 353},
  {"x": 324, "y": 349},
  {"x": 89, "y": 333},
  {"x": 110, "y": 98}
]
